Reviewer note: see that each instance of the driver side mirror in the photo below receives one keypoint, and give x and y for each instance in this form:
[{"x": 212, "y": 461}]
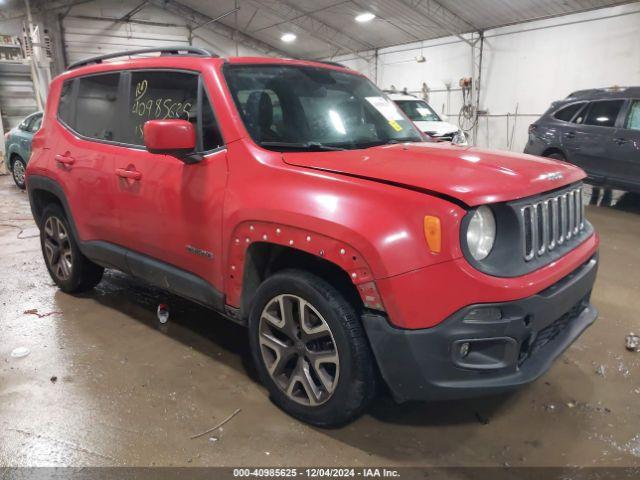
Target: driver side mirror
[{"x": 171, "y": 137}]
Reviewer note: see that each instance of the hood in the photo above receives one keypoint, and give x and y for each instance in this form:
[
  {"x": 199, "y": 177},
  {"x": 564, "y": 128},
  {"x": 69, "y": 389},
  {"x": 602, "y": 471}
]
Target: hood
[
  {"x": 438, "y": 128},
  {"x": 471, "y": 175}
]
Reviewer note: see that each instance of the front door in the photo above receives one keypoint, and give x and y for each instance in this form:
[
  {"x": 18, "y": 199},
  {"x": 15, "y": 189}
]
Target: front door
[
  {"x": 171, "y": 211},
  {"x": 592, "y": 143}
]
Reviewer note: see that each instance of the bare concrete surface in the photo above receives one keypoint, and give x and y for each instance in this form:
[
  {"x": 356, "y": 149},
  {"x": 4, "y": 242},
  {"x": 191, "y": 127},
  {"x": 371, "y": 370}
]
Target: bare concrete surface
[{"x": 106, "y": 384}]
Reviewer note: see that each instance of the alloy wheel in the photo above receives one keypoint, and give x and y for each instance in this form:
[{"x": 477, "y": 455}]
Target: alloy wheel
[
  {"x": 18, "y": 172},
  {"x": 298, "y": 350},
  {"x": 57, "y": 248}
]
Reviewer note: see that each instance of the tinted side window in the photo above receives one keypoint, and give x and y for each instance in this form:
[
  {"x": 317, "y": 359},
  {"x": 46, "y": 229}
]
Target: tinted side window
[
  {"x": 97, "y": 107},
  {"x": 567, "y": 113},
  {"x": 65, "y": 112},
  {"x": 633, "y": 120},
  {"x": 604, "y": 113},
  {"x": 157, "y": 96}
]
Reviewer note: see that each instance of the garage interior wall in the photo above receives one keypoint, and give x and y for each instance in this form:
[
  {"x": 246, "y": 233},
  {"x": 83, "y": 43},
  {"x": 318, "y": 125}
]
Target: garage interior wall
[
  {"x": 525, "y": 66},
  {"x": 90, "y": 30}
]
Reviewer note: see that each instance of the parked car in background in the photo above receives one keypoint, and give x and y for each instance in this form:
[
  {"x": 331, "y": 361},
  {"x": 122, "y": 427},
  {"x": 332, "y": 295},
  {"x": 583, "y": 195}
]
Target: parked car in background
[
  {"x": 427, "y": 120},
  {"x": 18, "y": 147},
  {"x": 295, "y": 198},
  {"x": 597, "y": 130}
]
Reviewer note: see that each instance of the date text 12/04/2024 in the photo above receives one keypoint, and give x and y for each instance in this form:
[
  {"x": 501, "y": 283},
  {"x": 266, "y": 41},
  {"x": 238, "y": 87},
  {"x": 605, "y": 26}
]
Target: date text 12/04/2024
[{"x": 316, "y": 472}]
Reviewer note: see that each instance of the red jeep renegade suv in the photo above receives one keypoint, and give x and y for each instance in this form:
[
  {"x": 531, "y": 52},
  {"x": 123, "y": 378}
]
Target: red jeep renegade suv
[{"x": 295, "y": 198}]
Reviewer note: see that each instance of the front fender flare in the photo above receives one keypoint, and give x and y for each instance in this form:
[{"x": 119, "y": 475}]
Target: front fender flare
[{"x": 335, "y": 251}]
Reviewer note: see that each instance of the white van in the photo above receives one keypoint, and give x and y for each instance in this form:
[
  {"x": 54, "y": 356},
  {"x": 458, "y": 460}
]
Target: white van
[{"x": 427, "y": 120}]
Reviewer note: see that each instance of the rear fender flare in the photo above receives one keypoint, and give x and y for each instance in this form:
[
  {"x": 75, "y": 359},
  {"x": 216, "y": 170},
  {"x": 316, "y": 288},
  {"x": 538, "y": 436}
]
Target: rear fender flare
[{"x": 39, "y": 182}]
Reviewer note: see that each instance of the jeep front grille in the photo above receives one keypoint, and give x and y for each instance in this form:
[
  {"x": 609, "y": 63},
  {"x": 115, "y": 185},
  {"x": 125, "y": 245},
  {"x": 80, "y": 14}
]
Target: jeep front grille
[{"x": 550, "y": 222}]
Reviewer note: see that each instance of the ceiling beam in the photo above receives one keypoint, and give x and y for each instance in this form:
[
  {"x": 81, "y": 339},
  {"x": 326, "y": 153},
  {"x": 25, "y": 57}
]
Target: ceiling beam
[
  {"x": 127, "y": 16},
  {"x": 309, "y": 23},
  {"x": 43, "y": 7},
  {"x": 196, "y": 17},
  {"x": 318, "y": 10},
  {"x": 442, "y": 17}
]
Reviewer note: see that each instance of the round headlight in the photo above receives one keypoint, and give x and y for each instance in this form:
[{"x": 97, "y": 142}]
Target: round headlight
[{"x": 481, "y": 233}]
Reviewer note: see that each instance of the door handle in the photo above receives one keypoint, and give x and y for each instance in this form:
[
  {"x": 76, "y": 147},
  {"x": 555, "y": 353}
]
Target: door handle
[
  {"x": 570, "y": 135},
  {"x": 65, "y": 159},
  {"x": 129, "y": 174},
  {"x": 620, "y": 141}
]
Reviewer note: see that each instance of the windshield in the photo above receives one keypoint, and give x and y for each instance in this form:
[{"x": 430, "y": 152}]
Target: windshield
[
  {"x": 418, "y": 111},
  {"x": 311, "y": 108}
]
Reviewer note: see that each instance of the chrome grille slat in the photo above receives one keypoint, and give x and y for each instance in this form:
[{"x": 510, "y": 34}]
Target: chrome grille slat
[
  {"x": 576, "y": 197},
  {"x": 569, "y": 200},
  {"x": 529, "y": 233},
  {"x": 543, "y": 220},
  {"x": 553, "y": 220},
  {"x": 550, "y": 222}
]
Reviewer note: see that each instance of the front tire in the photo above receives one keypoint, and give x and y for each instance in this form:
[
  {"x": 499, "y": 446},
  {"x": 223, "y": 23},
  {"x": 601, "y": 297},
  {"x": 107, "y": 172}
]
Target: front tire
[
  {"x": 69, "y": 268},
  {"x": 310, "y": 349},
  {"x": 18, "y": 169}
]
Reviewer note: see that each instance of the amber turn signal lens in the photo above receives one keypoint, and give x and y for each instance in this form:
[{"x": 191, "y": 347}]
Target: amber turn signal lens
[{"x": 432, "y": 233}]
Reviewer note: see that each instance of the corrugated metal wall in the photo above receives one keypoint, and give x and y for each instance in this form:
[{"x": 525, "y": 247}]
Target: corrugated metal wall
[
  {"x": 17, "y": 97},
  {"x": 89, "y": 37}
]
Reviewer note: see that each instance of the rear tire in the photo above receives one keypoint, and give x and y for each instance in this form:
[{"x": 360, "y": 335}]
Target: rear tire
[
  {"x": 69, "y": 268},
  {"x": 18, "y": 169},
  {"x": 310, "y": 349}
]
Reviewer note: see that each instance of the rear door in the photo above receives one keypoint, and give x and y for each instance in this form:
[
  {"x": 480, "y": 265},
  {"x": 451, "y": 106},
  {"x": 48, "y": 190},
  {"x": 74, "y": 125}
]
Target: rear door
[
  {"x": 88, "y": 130},
  {"x": 625, "y": 146},
  {"x": 591, "y": 144},
  {"x": 173, "y": 211},
  {"x": 564, "y": 131}
]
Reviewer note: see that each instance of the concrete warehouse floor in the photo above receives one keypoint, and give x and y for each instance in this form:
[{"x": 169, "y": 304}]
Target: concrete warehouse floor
[{"x": 106, "y": 384}]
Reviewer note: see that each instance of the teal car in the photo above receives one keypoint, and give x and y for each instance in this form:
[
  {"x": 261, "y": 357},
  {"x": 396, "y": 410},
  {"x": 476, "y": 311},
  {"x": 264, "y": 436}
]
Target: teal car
[{"x": 18, "y": 146}]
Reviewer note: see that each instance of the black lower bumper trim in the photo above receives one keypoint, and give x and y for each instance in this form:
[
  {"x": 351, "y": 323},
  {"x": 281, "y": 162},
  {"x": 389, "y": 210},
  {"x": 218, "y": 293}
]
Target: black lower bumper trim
[{"x": 501, "y": 354}]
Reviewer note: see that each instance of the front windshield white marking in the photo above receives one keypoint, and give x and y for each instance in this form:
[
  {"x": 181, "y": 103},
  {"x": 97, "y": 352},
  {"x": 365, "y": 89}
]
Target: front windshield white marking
[{"x": 387, "y": 108}]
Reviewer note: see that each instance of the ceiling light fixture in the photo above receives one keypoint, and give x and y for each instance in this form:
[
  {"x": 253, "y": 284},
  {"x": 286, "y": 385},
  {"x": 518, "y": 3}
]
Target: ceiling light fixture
[
  {"x": 288, "y": 37},
  {"x": 365, "y": 17}
]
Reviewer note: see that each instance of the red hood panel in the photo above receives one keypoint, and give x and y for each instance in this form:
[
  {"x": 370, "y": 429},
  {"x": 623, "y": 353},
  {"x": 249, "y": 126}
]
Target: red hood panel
[{"x": 471, "y": 175}]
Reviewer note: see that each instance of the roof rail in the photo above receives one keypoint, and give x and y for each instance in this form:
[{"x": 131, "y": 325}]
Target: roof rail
[
  {"x": 177, "y": 50},
  {"x": 610, "y": 91}
]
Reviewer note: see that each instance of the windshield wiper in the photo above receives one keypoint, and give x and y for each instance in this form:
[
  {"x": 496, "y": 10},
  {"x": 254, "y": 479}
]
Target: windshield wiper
[
  {"x": 312, "y": 146},
  {"x": 391, "y": 141}
]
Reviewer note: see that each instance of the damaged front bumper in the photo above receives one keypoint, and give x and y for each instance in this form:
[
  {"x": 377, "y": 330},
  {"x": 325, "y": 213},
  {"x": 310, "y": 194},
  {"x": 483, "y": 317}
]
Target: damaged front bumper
[{"x": 485, "y": 348}]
